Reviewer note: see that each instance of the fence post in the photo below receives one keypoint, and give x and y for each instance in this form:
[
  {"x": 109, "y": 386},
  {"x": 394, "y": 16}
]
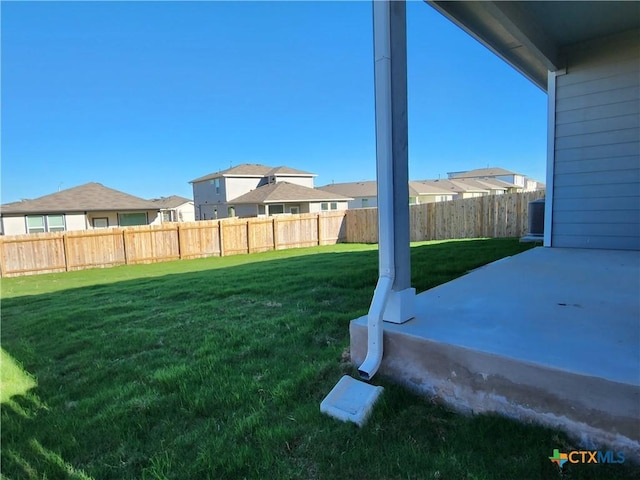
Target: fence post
[
  {"x": 2, "y": 269},
  {"x": 248, "y": 236},
  {"x": 124, "y": 246},
  {"x": 275, "y": 233},
  {"x": 319, "y": 229},
  {"x": 65, "y": 249},
  {"x": 179, "y": 245},
  {"x": 221, "y": 235}
]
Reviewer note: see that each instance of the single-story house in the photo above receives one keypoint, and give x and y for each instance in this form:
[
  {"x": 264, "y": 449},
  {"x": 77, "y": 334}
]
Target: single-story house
[
  {"x": 284, "y": 197},
  {"x": 175, "y": 208},
  {"x": 213, "y": 193},
  {"x": 84, "y": 207},
  {"x": 550, "y": 335}
]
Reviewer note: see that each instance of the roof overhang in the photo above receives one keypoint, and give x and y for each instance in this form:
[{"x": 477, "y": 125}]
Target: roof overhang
[{"x": 532, "y": 36}]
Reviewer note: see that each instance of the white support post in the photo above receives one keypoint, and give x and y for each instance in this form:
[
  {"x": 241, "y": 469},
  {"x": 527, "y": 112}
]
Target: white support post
[
  {"x": 392, "y": 157},
  {"x": 551, "y": 155}
]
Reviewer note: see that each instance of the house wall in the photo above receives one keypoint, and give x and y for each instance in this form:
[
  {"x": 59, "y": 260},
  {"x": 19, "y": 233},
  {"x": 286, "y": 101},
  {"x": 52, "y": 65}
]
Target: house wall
[
  {"x": 515, "y": 179},
  {"x": 153, "y": 217},
  {"x": 185, "y": 212},
  {"x": 469, "y": 195},
  {"x": 596, "y": 174},
  {"x": 112, "y": 217},
  {"x": 434, "y": 198},
  {"x": 315, "y": 207},
  {"x": 303, "y": 181},
  {"x": 372, "y": 201},
  {"x": 233, "y": 187},
  {"x": 17, "y": 224},
  {"x": 206, "y": 200},
  {"x": 246, "y": 210},
  {"x": 14, "y": 225},
  {"x": 75, "y": 221}
]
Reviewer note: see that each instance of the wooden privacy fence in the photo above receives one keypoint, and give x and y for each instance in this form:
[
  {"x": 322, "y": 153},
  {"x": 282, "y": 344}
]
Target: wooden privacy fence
[
  {"x": 77, "y": 250},
  {"x": 489, "y": 216}
]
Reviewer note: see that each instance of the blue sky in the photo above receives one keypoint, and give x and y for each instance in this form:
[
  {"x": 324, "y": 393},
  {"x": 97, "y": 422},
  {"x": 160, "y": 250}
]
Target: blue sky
[{"x": 145, "y": 96}]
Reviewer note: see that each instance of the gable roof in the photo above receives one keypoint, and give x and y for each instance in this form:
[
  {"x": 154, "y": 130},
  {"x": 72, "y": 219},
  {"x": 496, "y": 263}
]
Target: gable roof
[
  {"x": 427, "y": 187},
  {"x": 482, "y": 172},
  {"x": 496, "y": 183},
  {"x": 286, "y": 192},
  {"x": 83, "y": 198},
  {"x": 290, "y": 171},
  {"x": 416, "y": 188},
  {"x": 456, "y": 186},
  {"x": 353, "y": 189},
  {"x": 253, "y": 170},
  {"x": 170, "y": 202}
]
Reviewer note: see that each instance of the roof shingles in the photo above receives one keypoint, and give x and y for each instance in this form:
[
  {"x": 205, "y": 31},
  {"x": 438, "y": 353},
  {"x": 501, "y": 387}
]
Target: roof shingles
[
  {"x": 83, "y": 198},
  {"x": 253, "y": 170},
  {"x": 286, "y": 192}
]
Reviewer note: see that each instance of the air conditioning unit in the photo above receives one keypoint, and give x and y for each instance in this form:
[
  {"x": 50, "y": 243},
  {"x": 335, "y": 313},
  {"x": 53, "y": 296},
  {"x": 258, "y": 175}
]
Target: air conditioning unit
[
  {"x": 536, "y": 217},
  {"x": 536, "y": 222}
]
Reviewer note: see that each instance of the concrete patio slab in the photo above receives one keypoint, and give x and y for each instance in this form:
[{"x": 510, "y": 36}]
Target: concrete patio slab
[{"x": 551, "y": 335}]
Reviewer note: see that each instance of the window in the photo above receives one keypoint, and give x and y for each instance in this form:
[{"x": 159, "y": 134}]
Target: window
[
  {"x": 413, "y": 200},
  {"x": 365, "y": 202},
  {"x": 261, "y": 210},
  {"x": 166, "y": 216},
  {"x": 131, "y": 219},
  {"x": 217, "y": 185},
  {"x": 35, "y": 224},
  {"x": 324, "y": 206},
  {"x": 42, "y": 223},
  {"x": 276, "y": 209},
  {"x": 231, "y": 211},
  {"x": 334, "y": 206},
  {"x": 100, "y": 222},
  {"x": 55, "y": 223}
]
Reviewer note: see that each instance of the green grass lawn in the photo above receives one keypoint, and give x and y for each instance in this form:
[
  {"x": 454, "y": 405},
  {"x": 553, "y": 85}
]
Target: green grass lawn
[{"x": 215, "y": 368}]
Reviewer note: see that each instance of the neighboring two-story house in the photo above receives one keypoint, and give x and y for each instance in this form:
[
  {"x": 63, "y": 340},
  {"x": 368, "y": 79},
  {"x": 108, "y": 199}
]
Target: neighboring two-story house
[{"x": 250, "y": 190}]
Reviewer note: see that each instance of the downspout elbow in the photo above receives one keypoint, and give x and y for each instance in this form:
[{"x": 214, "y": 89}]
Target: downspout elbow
[{"x": 375, "y": 328}]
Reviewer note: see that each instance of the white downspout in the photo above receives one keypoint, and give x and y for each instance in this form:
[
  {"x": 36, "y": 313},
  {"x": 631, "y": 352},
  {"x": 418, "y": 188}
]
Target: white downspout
[{"x": 384, "y": 174}]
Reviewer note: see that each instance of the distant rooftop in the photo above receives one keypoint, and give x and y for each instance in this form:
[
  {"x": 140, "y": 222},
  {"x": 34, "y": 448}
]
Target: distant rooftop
[
  {"x": 254, "y": 170},
  {"x": 353, "y": 189},
  {"x": 286, "y": 192},
  {"x": 83, "y": 198},
  {"x": 482, "y": 172},
  {"x": 170, "y": 202}
]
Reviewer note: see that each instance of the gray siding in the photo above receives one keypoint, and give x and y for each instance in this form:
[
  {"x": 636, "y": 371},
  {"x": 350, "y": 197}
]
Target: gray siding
[{"x": 596, "y": 191}]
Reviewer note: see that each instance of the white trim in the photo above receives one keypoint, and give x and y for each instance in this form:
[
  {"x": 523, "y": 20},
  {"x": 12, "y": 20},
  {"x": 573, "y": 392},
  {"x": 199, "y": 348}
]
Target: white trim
[{"x": 551, "y": 155}]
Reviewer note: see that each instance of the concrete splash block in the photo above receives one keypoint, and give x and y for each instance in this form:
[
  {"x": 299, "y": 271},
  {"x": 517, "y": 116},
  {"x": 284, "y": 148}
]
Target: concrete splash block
[{"x": 351, "y": 400}]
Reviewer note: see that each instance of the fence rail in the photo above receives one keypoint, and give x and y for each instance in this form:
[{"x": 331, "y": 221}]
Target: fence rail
[
  {"x": 488, "y": 216},
  {"x": 77, "y": 250}
]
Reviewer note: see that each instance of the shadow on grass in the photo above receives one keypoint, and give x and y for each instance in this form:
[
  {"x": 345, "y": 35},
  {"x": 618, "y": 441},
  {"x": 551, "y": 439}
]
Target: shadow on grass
[{"x": 218, "y": 372}]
